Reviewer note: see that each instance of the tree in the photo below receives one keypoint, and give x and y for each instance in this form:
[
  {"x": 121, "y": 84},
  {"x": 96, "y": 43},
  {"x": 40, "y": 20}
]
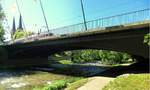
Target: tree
[
  {"x": 21, "y": 34},
  {"x": 104, "y": 56},
  {"x": 2, "y": 15},
  {"x": 1, "y": 33},
  {"x": 147, "y": 39},
  {"x": 1, "y": 27}
]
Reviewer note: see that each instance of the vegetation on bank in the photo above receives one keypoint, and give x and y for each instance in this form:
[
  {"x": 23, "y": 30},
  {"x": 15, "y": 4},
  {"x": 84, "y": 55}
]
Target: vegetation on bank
[
  {"x": 35, "y": 80},
  {"x": 130, "y": 82},
  {"x": 103, "y": 56},
  {"x": 77, "y": 84},
  {"x": 123, "y": 82},
  {"x": 147, "y": 39},
  {"x": 59, "y": 84},
  {"x": 65, "y": 62}
]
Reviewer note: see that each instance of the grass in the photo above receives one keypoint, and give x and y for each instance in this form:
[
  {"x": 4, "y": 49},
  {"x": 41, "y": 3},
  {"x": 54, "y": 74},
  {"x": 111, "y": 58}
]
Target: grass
[
  {"x": 130, "y": 82},
  {"x": 77, "y": 84},
  {"x": 65, "y": 62},
  {"x": 59, "y": 84}
]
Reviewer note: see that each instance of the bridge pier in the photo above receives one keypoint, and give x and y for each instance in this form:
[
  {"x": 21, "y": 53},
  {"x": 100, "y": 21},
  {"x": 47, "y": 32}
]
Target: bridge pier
[
  {"x": 140, "y": 58},
  {"x": 25, "y": 62}
]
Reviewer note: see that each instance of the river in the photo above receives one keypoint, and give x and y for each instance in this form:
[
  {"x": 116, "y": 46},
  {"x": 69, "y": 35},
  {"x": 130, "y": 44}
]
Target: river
[{"x": 27, "y": 79}]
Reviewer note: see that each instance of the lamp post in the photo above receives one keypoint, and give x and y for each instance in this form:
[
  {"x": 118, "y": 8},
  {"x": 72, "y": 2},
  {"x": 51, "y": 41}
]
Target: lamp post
[
  {"x": 83, "y": 13},
  {"x": 44, "y": 15}
]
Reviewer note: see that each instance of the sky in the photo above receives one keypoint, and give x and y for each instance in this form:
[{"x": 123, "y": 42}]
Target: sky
[{"x": 65, "y": 12}]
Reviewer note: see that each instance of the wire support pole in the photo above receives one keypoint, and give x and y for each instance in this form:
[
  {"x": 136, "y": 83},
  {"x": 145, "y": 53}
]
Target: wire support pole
[
  {"x": 83, "y": 13},
  {"x": 44, "y": 15}
]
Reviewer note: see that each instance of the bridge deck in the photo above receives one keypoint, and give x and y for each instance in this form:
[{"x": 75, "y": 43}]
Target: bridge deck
[{"x": 112, "y": 29}]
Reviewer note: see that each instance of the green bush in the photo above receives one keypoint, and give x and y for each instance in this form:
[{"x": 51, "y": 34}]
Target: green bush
[
  {"x": 147, "y": 39},
  {"x": 112, "y": 57},
  {"x": 56, "y": 85},
  {"x": 106, "y": 57},
  {"x": 60, "y": 84}
]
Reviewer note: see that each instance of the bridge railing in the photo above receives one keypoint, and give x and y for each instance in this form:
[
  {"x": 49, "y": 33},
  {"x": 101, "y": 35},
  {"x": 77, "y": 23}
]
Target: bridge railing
[
  {"x": 98, "y": 24},
  {"x": 124, "y": 19}
]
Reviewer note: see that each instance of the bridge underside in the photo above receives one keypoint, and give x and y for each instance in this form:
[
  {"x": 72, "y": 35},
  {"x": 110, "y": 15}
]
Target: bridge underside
[{"x": 129, "y": 40}]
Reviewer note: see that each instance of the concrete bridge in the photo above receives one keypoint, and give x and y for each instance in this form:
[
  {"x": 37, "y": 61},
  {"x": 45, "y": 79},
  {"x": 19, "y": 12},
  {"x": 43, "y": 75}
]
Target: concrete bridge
[
  {"x": 104, "y": 34},
  {"x": 127, "y": 39}
]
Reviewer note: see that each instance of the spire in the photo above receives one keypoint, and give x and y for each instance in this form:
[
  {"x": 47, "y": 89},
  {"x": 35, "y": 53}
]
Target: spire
[
  {"x": 20, "y": 23},
  {"x": 13, "y": 26}
]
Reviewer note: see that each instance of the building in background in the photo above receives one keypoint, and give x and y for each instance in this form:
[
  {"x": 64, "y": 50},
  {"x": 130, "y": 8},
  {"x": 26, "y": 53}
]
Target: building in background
[
  {"x": 20, "y": 23},
  {"x": 13, "y": 26},
  {"x": 20, "y": 27}
]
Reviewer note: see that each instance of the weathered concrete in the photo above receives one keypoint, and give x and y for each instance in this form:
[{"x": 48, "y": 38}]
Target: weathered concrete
[{"x": 24, "y": 62}]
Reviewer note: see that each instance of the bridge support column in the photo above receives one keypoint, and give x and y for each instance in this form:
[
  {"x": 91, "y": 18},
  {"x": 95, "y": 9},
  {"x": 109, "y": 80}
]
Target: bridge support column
[
  {"x": 25, "y": 62},
  {"x": 140, "y": 58}
]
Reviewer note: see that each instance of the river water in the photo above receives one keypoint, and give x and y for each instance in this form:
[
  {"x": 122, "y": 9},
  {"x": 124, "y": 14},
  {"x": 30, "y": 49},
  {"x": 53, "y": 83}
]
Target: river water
[{"x": 27, "y": 79}]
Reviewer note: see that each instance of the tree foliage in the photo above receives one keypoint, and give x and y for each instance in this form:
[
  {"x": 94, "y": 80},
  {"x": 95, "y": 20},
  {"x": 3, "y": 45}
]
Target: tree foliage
[
  {"x": 21, "y": 34},
  {"x": 147, "y": 39},
  {"x": 2, "y": 15},
  {"x": 104, "y": 56},
  {"x": 1, "y": 33},
  {"x": 1, "y": 27}
]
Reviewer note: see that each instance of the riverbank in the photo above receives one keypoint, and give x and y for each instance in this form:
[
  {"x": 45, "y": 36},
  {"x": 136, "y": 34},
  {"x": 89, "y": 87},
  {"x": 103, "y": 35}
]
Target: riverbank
[
  {"x": 27, "y": 79},
  {"x": 39, "y": 77},
  {"x": 136, "y": 73}
]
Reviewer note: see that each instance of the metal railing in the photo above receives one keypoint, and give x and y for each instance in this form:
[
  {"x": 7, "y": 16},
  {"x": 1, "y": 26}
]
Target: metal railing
[
  {"x": 121, "y": 19},
  {"x": 98, "y": 24}
]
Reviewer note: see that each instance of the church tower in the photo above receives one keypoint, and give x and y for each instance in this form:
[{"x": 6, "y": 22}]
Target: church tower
[
  {"x": 13, "y": 26},
  {"x": 20, "y": 23}
]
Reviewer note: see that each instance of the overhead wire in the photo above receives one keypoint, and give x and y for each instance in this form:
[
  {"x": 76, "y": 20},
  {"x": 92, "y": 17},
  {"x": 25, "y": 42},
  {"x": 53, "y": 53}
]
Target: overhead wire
[
  {"x": 104, "y": 11},
  {"x": 109, "y": 9}
]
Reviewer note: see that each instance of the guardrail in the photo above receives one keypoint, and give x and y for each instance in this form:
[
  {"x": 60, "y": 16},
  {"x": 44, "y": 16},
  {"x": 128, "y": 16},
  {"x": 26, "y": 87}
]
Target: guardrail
[{"x": 121, "y": 19}]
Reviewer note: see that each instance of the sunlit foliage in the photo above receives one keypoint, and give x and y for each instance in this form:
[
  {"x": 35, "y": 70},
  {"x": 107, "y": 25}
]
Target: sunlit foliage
[{"x": 21, "y": 34}]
